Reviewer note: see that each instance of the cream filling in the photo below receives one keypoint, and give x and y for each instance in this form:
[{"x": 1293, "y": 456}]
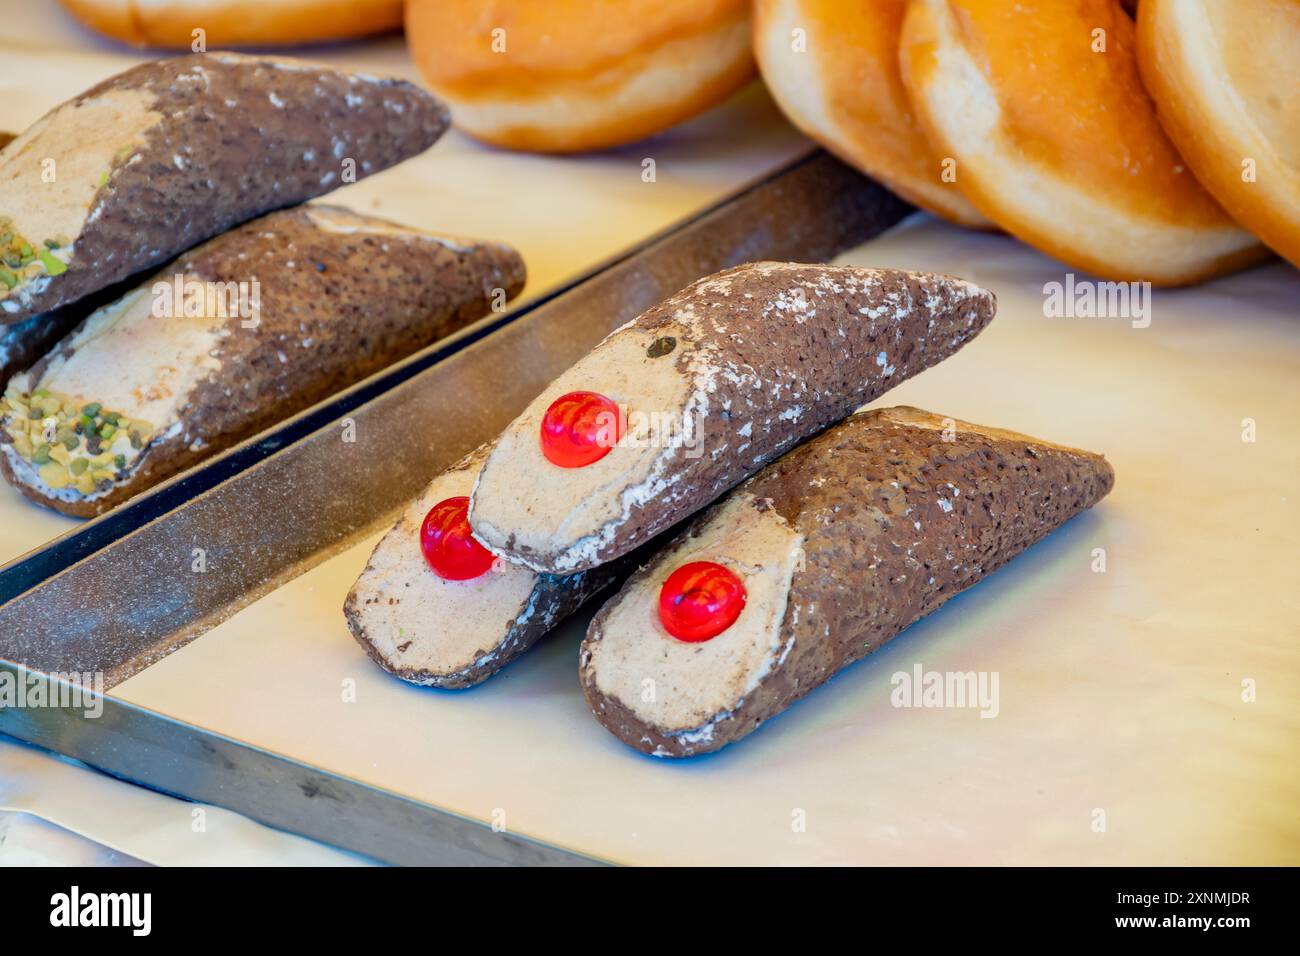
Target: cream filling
[
  {"x": 134, "y": 362},
  {"x": 547, "y": 508},
  {"x": 684, "y": 688},
  {"x": 129, "y": 361},
  {"x": 51, "y": 174},
  {"x": 435, "y": 625}
]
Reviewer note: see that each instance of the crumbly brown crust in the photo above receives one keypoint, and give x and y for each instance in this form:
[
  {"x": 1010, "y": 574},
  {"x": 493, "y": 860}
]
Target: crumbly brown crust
[
  {"x": 335, "y": 308},
  {"x": 857, "y": 494},
  {"x": 776, "y": 352},
  {"x": 238, "y": 136}
]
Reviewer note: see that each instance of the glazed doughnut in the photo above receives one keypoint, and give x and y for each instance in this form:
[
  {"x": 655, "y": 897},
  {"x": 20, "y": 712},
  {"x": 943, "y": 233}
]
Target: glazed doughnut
[
  {"x": 839, "y": 83},
  {"x": 1059, "y": 144},
  {"x": 573, "y": 75},
  {"x": 1226, "y": 81},
  {"x": 170, "y": 23}
]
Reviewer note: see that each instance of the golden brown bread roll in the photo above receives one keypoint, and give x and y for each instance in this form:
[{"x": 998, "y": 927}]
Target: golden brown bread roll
[
  {"x": 833, "y": 69},
  {"x": 572, "y": 75},
  {"x": 171, "y": 23},
  {"x": 1226, "y": 81},
  {"x": 1057, "y": 141}
]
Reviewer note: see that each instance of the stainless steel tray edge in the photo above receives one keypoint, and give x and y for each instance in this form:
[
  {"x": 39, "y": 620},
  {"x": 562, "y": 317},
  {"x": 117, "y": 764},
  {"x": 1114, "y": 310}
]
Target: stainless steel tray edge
[
  {"x": 336, "y": 472},
  {"x": 144, "y": 747}
]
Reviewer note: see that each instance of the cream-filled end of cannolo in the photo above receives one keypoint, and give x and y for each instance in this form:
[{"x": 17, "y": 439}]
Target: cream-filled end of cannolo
[
  {"x": 893, "y": 512},
  {"x": 683, "y": 688},
  {"x": 76, "y": 424},
  {"x": 721, "y": 378},
  {"x": 424, "y": 628},
  {"x": 44, "y": 206},
  {"x": 523, "y": 504}
]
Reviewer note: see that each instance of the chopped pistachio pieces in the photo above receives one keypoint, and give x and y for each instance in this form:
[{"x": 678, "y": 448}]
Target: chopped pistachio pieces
[
  {"x": 54, "y": 475},
  {"x": 54, "y": 266},
  {"x": 21, "y": 259},
  {"x": 72, "y": 443}
]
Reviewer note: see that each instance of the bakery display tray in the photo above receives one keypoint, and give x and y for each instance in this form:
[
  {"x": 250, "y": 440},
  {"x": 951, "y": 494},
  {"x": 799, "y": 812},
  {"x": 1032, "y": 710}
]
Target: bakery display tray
[{"x": 131, "y": 588}]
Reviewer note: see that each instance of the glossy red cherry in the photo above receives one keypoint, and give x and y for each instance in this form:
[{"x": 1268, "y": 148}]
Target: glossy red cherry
[
  {"x": 449, "y": 545},
  {"x": 700, "y": 600},
  {"x": 580, "y": 428}
]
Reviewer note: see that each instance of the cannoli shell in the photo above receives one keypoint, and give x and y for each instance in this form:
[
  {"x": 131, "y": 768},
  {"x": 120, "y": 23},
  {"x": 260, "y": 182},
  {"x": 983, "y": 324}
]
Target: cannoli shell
[{"x": 897, "y": 510}]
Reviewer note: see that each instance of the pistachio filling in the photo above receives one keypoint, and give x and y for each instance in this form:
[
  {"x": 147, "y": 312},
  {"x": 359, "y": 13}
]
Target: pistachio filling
[
  {"x": 86, "y": 447},
  {"x": 21, "y": 260}
]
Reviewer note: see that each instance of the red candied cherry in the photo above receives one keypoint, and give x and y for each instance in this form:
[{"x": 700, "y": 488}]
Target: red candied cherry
[
  {"x": 700, "y": 600},
  {"x": 580, "y": 428},
  {"x": 448, "y": 543}
]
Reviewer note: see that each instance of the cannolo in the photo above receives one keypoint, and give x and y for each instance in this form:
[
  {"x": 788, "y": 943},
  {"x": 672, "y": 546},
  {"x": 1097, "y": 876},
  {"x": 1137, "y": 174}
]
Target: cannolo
[
  {"x": 701, "y": 391},
  {"x": 436, "y": 608},
  {"x": 243, "y": 331},
  {"x": 815, "y": 562},
  {"x": 159, "y": 158}
]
